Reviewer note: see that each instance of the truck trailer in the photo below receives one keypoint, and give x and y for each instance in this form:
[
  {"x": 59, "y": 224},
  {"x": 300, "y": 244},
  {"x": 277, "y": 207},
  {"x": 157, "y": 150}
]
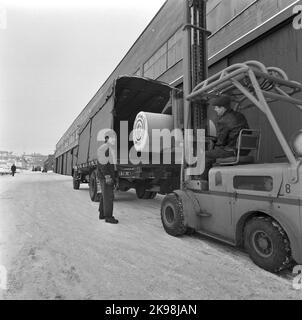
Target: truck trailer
[{"x": 127, "y": 97}]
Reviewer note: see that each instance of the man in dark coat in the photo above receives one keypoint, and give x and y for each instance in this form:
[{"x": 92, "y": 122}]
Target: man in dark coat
[
  {"x": 229, "y": 125},
  {"x": 13, "y": 170},
  {"x": 106, "y": 175}
]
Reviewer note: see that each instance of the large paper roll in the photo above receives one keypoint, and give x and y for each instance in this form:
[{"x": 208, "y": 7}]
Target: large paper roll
[{"x": 144, "y": 123}]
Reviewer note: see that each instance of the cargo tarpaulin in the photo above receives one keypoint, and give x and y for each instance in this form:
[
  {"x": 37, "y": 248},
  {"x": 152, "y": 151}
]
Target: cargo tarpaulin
[
  {"x": 103, "y": 119},
  {"x": 84, "y": 144}
]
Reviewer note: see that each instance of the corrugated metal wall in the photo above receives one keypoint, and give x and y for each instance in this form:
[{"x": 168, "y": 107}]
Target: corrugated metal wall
[
  {"x": 62, "y": 164},
  {"x": 69, "y": 163},
  {"x": 74, "y": 156}
]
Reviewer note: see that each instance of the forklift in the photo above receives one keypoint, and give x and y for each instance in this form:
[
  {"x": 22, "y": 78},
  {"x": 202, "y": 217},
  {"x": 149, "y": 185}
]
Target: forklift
[{"x": 245, "y": 203}]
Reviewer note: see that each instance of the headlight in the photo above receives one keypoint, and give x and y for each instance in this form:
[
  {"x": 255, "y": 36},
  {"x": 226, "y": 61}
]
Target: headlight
[{"x": 296, "y": 143}]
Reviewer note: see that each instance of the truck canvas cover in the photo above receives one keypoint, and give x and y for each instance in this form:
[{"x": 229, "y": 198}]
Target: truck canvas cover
[{"x": 123, "y": 101}]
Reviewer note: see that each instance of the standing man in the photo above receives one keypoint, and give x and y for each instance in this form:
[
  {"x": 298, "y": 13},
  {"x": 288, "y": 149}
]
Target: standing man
[
  {"x": 106, "y": 175},
  {"x": 229, "y": 125},
  {"x": 13, "y": 169}
]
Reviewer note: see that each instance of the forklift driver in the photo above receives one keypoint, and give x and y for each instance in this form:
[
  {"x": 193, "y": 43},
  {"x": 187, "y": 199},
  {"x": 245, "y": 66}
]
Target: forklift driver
[{"x": 229, "y": 124}]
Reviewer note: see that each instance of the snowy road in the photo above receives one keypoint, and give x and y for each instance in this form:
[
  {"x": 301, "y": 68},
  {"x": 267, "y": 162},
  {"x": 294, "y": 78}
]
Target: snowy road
[{"x": 54, "y": 247}]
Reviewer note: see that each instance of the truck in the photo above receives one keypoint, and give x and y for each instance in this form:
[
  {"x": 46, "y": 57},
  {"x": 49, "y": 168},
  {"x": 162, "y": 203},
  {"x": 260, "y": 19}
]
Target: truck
[
  {"x": 128, "y": 96},
  {"x": 135, "y": 99}
]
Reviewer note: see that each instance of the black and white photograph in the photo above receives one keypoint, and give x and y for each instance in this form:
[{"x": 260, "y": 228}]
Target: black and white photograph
[{"x": 150, "y": 152}]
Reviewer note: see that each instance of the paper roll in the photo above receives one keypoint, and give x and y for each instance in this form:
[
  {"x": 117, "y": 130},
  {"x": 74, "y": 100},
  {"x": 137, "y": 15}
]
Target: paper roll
[{"x": 144, "y": 123}]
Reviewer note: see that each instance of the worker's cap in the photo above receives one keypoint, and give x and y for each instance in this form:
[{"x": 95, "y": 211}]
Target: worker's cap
[{"x": 222, "y": 101}]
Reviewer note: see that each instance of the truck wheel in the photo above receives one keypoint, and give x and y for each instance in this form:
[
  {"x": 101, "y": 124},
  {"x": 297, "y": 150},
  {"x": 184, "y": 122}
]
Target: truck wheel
[
  {"x": 76, "y": 182},
  {"x": 267, "y": 244},
  {"x": 149, "y": 195},
  {"x": 124, "y": 189},
  {"x": 172, "y": 216},
  {"x": 140, "y": 191},
  {"x": 93, "y": 188},
  {"x": 153, "y": 195}
]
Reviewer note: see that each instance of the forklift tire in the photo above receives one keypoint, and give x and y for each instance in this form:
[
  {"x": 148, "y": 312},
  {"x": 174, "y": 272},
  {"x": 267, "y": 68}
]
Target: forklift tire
[
  {"x": 93, "y": 188},
  {"x": 267, "y": 244},
  {"x": 76, "y": 182},
  {"x": 172, "y": 216}
]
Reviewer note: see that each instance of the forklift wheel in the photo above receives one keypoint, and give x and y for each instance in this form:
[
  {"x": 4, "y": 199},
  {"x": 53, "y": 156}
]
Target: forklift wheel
[
  {"x": 267, "y": 244},
  {"x": 172, "y": 216}
]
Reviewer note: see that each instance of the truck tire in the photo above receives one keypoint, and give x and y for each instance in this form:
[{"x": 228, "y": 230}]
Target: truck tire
[
  {"x": 172, "y": 216},
  {"x": 141, "y": 192},
  {"x": 124, "y": 189},
  {"x": 267, "y": 244},
  {"x": 93, "y": 187},
  {"x": 149, "y": 195},
  {"x": 76, "y": 182},
  {"x": 153, "y": 195}
]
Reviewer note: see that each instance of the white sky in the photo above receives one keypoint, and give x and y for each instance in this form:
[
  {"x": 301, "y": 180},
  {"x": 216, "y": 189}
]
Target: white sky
[{"x": 54, "y": 56}]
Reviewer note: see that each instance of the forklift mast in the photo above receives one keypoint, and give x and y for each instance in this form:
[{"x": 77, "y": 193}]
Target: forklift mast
[
  {"x": 195, "y": 60},
  {"x": 195, "y": 68}
]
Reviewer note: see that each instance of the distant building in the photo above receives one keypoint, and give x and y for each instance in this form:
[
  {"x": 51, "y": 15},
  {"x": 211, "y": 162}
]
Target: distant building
[
  {"x": 49, "y": 163},
  {"x": 34, "y": 160},
  {"x": 7, "y": 159}
]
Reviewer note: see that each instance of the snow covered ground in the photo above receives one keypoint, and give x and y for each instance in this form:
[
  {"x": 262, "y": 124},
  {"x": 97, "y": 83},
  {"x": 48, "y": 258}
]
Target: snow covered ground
[{"x": 54, "y": 247}]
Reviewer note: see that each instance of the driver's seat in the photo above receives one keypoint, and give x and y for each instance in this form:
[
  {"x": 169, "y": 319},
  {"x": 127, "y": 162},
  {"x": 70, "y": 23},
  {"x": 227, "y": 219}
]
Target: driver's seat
[{"x": 248, "y": 140}]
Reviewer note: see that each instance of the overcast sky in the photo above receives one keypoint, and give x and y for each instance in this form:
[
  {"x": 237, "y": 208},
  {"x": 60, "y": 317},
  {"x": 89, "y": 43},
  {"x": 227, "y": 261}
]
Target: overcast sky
[{"x": 54, "y": 56}]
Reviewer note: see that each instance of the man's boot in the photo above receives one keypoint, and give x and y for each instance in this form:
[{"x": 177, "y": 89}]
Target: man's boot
[{"x": 111, "y": 220}]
